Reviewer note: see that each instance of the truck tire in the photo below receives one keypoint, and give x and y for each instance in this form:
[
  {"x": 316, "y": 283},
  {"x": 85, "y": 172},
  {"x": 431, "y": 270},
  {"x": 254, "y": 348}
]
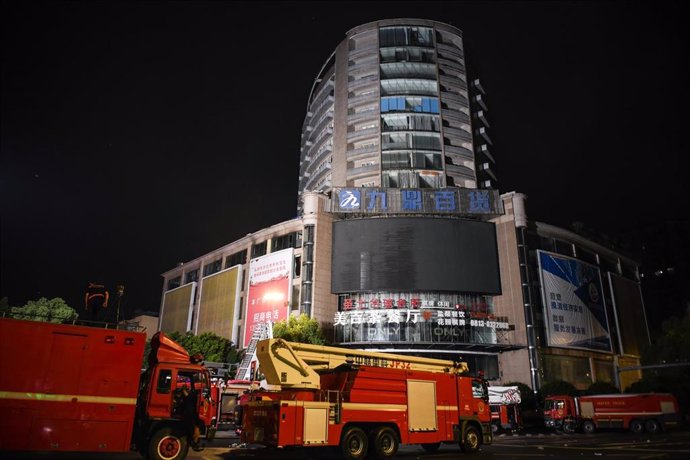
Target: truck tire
[
  {"x": 168, "y": 443},
  {"x": 588, "y": 427},
  {"x": 385, "y": 442},
  {"x": 569, "y": 426},
  {"x": 652, "y": 426},
  {"x": 354, "y": 444},
  {"x": 470, "y": 440},
  {"x": 636, "y": 426},
  {"x": 431, "y": 447}
]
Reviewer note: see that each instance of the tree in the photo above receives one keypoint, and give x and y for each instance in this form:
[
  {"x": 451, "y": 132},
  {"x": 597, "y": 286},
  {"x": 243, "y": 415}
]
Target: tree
[
  {"x": 302, "y": 329},
  {"x": 602, "y": 388},
  {"x": 213, "y": 347},
  {"x": 559, "y": 387},
  {"x": 53, "y": 310},
  {"x": 5, "y": 309}
]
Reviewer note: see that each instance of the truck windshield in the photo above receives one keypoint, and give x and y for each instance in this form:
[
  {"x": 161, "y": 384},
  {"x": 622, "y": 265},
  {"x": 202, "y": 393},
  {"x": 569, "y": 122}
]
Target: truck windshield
[{"x": 551, "y": 404}]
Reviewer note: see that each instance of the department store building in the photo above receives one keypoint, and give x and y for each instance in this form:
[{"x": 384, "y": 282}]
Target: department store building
[{"x": 403, "y": 242}]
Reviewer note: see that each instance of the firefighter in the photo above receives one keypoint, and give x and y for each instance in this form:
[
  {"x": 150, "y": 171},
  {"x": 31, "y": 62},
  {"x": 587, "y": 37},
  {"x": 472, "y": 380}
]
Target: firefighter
[
  {"x": 95, "y": 299},
  {"x": 190, "y": 415}
]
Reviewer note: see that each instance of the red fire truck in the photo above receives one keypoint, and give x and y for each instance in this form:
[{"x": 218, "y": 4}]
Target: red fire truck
[
  {"x": 505, "y": 408},
  {"x": 637, "y": 412},
  {"x": 363, "y": 401},
  {"x": 76, "y": 388}
]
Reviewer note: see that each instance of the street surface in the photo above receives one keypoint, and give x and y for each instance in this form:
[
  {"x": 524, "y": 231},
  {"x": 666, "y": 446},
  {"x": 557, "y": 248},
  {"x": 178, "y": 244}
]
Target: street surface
[{"x": 671, "y": 445}]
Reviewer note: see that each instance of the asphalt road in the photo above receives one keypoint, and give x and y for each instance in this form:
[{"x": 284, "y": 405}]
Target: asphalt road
[{"x": 671, "y": 445}]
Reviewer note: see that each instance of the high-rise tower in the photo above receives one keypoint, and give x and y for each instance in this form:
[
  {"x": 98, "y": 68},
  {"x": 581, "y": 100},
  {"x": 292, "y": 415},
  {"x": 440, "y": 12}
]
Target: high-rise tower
[{"x": 393, "y": 107}]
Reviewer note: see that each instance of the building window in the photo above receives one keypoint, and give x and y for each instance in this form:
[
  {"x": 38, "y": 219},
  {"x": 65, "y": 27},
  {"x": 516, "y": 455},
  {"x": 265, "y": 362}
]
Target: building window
[
  {"x": 174, "y": 283},
  {"x": 406, "y": 35},
  {"x": 212, "y": 267},
  {"x": 259, "y": 250},
  {"x": 291, "y": 240},
  {"x": 569, "y": 368},
  {"x": 191, "y": 276},
  {"x": 297, "y": 266},
  {"x": 409, "y": 104},
  {"x": 238, "y": 258}
]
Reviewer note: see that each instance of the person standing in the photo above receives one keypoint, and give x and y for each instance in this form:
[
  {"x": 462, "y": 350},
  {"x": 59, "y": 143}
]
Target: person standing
[{"x": 95, "y": 300}]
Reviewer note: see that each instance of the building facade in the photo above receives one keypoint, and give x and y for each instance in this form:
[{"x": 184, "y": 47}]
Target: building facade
[
  {"x": 403, "y": 243},
  {"x": 393, "y": 106},
  {"x": 577, "y": 305}
]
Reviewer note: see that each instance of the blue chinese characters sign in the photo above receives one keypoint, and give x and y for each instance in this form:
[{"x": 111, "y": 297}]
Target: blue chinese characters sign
[
  {"x": 451, "y": 200},
  {"x": 574, "y": 306}
]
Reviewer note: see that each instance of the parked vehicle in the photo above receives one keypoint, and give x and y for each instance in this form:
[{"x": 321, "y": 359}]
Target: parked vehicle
[
  {"x": 76, "y": 388},
  {"x": 505, "y": 408},
  {"x": 637, "y": 412},
  {"x": 228, "y": 403},
  {"x": 364, "y": 401}
]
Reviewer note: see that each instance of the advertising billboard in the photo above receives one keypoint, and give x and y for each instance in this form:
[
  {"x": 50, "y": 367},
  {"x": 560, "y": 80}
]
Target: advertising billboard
[
  {"x": 270, "y": 289},
  {"x": 415, "y": 254},
  {"x": 220, "y": 293},
  {"x": 176, "y": 313},
  {"x": 574, "y": 306}
]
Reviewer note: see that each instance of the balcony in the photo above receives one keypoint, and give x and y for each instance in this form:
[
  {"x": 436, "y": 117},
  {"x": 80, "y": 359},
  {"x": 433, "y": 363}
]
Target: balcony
[{"x": 362, "y": 134}]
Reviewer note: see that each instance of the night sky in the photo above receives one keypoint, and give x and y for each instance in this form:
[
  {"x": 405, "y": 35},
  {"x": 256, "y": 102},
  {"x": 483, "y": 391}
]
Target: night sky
[{"x": 136, "y": 135}]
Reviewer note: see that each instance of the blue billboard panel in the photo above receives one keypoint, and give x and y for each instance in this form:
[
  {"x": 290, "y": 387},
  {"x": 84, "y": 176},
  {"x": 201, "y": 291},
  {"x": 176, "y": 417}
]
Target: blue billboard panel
[{"x": 574, "y": 306}]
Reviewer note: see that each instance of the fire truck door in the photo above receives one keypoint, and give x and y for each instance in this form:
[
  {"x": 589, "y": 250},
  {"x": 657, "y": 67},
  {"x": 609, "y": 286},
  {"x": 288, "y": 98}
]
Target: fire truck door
[
  {"x": 421, "y": 405},
  {"x": 316, "y": 422}
]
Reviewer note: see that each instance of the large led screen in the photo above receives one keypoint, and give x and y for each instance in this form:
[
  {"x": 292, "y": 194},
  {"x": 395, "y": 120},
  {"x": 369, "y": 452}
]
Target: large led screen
[
  {"x": 415, "y": 254},
  {"x": 176, "y": 314},
  {"x": 574, "y": 306},
  {"x": 219, "y": 295},
  {"x": 270, "y": 289}
]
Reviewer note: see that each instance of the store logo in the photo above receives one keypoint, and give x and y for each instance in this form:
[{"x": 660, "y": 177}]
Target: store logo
[{"x": 349, "y": 199}]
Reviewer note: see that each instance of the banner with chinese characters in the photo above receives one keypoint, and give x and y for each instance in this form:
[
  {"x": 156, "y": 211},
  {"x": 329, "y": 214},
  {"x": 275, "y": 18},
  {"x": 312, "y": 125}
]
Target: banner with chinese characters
[
  {"x": 574, "y": 306},
  {"x": 270, "y": 287},
  {"x": 451, "y": 200}
]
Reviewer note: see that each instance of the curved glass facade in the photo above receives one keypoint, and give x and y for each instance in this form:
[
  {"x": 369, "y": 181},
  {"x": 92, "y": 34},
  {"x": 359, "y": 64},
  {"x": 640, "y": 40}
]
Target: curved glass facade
[{"x": 391, "y": 108}]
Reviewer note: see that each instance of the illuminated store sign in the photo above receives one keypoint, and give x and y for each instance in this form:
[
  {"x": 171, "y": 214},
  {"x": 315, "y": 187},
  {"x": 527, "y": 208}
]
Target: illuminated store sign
[
  {"x": 451, "y": 200},
  {"x": 399, "y": 316}
]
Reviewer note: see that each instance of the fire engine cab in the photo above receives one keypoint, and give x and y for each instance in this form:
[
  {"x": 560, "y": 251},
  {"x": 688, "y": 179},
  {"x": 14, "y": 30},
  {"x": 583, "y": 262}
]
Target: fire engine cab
[{"x": 363, "y": 401}]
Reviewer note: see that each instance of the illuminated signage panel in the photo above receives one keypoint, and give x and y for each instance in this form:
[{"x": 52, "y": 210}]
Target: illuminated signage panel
[{"x": 270, "y": 289}]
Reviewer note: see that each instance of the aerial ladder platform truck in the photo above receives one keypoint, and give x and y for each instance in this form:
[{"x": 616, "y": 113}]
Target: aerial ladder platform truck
[{"x": 363, "y": 402}]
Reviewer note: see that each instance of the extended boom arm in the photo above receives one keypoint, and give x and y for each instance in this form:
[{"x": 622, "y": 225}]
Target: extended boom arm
[{"x": 297, "y": 365}]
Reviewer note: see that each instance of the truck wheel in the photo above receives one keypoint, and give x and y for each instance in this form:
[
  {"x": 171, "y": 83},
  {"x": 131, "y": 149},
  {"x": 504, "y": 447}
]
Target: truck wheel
[
  {"x": 354, "y": 445},
  {"x": 636, "y": 427},
  {"x": 168, "y": 444},
  {"x": 589, "y": 427},
  {"x": 431, "y": 447},
  {"x": 652, "y": 426},
  {"x": 470, "y": 440},
  {"x": 385, "y": 441}
]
